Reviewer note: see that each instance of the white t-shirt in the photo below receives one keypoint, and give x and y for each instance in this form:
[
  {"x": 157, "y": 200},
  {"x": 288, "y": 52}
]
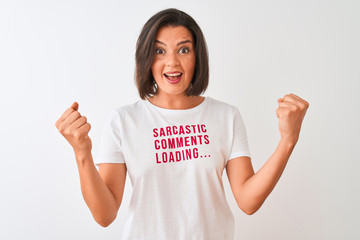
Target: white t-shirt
[{"x": 175, "y": 160}]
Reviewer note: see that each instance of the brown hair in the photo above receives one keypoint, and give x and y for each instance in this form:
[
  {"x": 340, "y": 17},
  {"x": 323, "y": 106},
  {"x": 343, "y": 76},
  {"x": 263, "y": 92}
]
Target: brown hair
[{"x": 145, "y": 52}]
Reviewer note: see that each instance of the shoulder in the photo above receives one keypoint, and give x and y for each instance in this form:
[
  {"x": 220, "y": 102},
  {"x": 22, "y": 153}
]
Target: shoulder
[
  {"x": 222, "y": 107},
  {"x": 131, "y": 109}
]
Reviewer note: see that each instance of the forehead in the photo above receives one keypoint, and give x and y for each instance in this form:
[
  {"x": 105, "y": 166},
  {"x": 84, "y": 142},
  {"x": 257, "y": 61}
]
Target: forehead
[{"x": 173, "y": 34}]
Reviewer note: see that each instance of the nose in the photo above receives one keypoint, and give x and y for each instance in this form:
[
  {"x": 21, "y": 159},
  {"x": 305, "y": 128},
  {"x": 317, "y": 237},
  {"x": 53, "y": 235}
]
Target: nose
[{"x": 172, "y": 59}]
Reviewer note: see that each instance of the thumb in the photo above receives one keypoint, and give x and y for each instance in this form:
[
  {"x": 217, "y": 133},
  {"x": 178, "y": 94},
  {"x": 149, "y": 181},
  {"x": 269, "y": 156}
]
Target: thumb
[{"x": 75, "y": 106}]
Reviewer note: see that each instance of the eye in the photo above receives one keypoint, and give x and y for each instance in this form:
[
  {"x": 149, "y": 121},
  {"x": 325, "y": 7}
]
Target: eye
[
  {"x": 159, "y": 51},
  {"x": 184, "y": 50}
]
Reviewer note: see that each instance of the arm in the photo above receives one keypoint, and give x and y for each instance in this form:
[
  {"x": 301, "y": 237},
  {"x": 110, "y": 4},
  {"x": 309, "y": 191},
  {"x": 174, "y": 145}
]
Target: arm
[
  {"x": 250, "y": 190},
  {"x": 103, "y": 190}
]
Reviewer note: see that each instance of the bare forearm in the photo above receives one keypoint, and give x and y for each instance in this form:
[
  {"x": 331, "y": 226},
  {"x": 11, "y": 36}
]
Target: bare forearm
[
  {"x": 97, "y": 196},
  {"x": 258, "y": 187}
]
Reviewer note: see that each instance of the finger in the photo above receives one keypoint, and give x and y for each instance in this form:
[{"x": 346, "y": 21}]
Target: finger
[
  {"x": 304, "y": 101},
  {"x": 282, "y": 112},
  {"x": 73, "y": 107},
  {"x": 85, "y": 129},
  {"x": 290, "y": 98},
  {"x": 79, "y": 122},
  {"x": 300, "y": 99},
  {"x": 64, "y": 116},
  {"x": 287, "y": 105},
  {"x": 295, "y": 96},
  {"x": 75, "y": 115},
  {"x": 285, "y": 109},
  {"x": 295, "y": 100}
]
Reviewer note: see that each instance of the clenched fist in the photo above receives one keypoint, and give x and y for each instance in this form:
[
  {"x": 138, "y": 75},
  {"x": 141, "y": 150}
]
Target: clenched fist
[
  {"x": 75, "y": 129},
  {"x": 291, "y": 112}
]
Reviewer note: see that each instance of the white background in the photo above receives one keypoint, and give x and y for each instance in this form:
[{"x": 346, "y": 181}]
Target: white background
[{"x": 53, "y": 53}]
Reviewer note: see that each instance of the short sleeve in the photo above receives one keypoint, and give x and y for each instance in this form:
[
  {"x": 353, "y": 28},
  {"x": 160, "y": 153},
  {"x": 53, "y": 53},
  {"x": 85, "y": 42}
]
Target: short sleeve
[
  {"x": 110, "y": 150},
  {"x": 239, "y": 146}
]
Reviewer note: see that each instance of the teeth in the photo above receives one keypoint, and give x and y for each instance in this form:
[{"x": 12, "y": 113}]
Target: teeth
[{"x": 173, "y": 74}]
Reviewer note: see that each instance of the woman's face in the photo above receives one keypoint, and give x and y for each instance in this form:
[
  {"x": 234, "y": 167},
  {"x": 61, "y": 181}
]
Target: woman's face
[{"x": 174, "y": 61}]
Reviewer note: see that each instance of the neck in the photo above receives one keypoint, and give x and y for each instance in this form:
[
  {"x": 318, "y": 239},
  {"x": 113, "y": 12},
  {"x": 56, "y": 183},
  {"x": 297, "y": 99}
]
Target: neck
[{"x": 177, "y": 102}]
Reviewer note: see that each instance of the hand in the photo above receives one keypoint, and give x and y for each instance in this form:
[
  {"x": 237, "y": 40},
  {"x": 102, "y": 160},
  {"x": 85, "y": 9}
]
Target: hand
[
  {"x": 291, "y": 112},
  {"x": 75, "y": 129}
]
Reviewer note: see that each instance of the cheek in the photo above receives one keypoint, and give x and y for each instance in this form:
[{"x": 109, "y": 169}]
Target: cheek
[
  {"x": 190, "y": 65},
  {"x": 156, "y": 69}
]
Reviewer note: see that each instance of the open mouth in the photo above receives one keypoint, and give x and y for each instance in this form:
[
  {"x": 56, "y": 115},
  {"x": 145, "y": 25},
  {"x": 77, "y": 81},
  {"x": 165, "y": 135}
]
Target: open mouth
[{"x": 173, "y": 76}]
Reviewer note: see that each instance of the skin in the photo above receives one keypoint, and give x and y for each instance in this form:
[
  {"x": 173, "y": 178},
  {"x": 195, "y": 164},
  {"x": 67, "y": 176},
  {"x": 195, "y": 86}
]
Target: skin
[
  {"x": 103, "y": 190},
  {"x": 175, "y": 51},
  {"x": 251, "y": 190}
]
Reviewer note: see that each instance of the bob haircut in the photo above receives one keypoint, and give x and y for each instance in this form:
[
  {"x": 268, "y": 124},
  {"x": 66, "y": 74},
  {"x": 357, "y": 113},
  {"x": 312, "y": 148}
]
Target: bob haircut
[{"x": 145, "y": 52}]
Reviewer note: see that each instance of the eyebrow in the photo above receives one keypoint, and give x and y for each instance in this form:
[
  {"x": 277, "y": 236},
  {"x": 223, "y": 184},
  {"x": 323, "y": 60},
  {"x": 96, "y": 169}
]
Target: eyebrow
[{"x": 179, "y": 43}]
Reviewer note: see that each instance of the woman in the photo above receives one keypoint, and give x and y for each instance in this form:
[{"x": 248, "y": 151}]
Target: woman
[{"x": 175, "y": 144}]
